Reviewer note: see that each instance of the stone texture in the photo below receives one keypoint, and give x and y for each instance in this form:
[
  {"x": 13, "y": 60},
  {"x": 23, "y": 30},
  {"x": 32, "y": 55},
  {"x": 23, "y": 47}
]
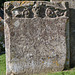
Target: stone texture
[
  {"x": 35, "y": 37},
  {"x": 71, "y": 56}
]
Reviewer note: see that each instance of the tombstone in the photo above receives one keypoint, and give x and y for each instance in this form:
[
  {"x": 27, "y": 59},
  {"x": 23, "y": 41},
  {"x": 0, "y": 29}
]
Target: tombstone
[{"x": 35, "y": 36}]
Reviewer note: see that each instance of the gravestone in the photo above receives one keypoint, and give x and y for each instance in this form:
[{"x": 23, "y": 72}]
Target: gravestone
[
  {"x": 35, "y": 36},
  {"x": 71, "y": 55}
]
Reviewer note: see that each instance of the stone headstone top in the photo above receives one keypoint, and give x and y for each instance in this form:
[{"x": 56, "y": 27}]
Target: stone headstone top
[{"x": 34, "y": 9}]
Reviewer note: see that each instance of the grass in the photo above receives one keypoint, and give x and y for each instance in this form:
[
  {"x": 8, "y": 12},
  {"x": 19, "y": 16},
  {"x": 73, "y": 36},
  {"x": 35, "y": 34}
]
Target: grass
[
  {"x": 68, "y": 72},
  {"x": 3, "y": 69},
  {"x": 2, "y": 65}
]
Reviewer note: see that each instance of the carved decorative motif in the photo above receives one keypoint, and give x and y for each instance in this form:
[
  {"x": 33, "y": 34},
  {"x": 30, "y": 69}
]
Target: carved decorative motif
[
  {"x": 8, "y": 11},
  {"x": 38, "y": 9},
  {"x": 26, "y": 13},
  {"x": 21, "y": 12},
  {"x": 49, "y": 13}
]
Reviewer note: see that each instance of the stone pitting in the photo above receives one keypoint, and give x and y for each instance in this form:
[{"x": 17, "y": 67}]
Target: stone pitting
[{"x": 35, "y": 36}]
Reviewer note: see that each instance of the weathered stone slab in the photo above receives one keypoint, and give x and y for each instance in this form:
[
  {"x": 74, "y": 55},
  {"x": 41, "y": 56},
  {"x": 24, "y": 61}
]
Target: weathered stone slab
[{"x": 35, "y": 37}]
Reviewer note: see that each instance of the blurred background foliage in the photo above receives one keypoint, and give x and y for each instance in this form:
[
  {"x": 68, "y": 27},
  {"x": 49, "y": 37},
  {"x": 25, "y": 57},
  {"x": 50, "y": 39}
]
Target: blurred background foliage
[{"x": 2, "y": 1}]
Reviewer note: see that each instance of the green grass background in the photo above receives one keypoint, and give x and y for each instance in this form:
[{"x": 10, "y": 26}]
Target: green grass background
[
  {"x": 2, "y": 65},
  {"x": 3, "y": 69}
]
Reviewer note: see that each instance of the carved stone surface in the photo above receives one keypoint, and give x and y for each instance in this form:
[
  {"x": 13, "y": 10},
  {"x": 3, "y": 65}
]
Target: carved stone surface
[
  {"x": 37, "y": 9},
  {"x": 35, "y": 37}
]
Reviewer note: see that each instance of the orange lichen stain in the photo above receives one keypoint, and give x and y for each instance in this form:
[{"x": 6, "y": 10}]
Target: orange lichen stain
[
  {"x": 22, "y": 3},
  {"x": 16, "y": 1},
  {"x": 48, "y": 57},
  {"x": 8, "y": 4},
  {"x": 26, "y": 2},
  {"x": 42, "y": 61},
  {"x": 12, "y": 2},
  {"x": 56, "y": 62}
]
